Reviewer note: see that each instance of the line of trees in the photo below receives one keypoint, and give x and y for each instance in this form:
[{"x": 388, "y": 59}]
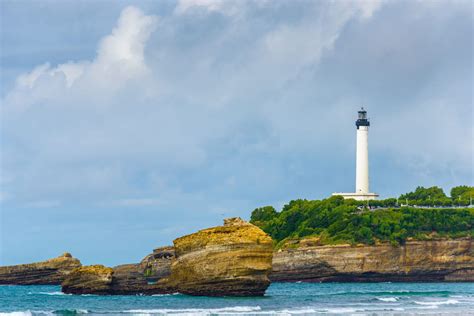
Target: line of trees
[
  {"x": 432, "y": 197},
  {"x": 435, "y": 196},
  {"x": 335, "y": 220}
]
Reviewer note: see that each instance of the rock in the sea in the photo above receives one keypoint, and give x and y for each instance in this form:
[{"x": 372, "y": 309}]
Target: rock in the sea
[
  {"x": 126, "y": 279},
  {"x": 52, "y": 271},
  {"x": 230, "y": 260},
  {"x": 415, "y": 261},
  {"x": 95, "y": 279}
]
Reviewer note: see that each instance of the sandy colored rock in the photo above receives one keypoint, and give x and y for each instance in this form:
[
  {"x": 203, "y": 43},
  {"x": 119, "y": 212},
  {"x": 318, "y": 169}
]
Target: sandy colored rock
[
  {"x": 52, "y": 271},
  {"x": 428, "y": 261},
  {"x": 234, "y": 259},
  {"x": 95, "y": 279},
  {"x": 230, "y": 260},
  {"x": 126, "y": 279}
]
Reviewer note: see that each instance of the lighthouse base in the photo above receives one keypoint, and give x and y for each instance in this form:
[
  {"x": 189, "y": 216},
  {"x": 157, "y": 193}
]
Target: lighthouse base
[{"x": 358, "y": 196}]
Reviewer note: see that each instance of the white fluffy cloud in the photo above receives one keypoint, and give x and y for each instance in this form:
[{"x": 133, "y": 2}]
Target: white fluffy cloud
[{"x": 120, "y": 57}]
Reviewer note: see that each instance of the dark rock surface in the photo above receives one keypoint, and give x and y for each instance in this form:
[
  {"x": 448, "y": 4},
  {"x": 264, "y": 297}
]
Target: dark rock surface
[
  {"x": 52, "y": 271},
  {"x": 157, "y": 265}
]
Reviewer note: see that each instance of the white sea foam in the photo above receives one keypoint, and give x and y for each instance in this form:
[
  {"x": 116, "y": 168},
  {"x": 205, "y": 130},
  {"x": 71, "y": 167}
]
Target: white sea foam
[
  {"x": 52, "y": 293},
  {"x": 305, "y": 311},
  {"x": 388, "y": 299},
  {"x": 27, "y": 313},
  {"x": 44, "y": 313},
  {"x": 343, "y": 310},
  {"x": 196, "y": 311},
  {"x": 436, "y": 303},
  {"x": 166, "y": 294}
]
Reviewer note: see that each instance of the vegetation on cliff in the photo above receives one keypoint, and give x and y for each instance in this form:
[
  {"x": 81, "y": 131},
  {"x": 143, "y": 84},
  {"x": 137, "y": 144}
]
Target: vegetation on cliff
[
  {"x": 435, "y": 196},
  {"x": 335, "y": 220}
]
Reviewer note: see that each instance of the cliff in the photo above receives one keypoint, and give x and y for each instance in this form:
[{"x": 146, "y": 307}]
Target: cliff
[
  {"x": 230, "y": 260},
  {"x": 51, "y": 271},
  {"x": 416, "y": 261}
]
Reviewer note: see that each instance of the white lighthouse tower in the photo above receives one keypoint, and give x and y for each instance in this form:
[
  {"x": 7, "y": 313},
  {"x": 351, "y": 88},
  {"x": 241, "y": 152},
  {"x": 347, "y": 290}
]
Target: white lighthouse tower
[{"x": 362, "y": 161}]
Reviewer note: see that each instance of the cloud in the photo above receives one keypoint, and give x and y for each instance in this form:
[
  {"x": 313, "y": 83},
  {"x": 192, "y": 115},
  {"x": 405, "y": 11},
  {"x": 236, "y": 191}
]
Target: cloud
[
  {"x": 127, "y": 110},
  {"x": 229, "y": 8},
  {"x": 184, "y": 112},
  {"x": 120, "y": 57}
]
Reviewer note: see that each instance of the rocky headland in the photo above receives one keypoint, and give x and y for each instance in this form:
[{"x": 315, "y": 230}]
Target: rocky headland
[
  {"x": 230, "y": 260},
  {"x": 52, "y": 271},
  {"x": 415, "y": 261},
  {"x": 237, "y": 259}
]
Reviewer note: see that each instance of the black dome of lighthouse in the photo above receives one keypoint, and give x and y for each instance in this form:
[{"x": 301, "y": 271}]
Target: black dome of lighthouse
[{"x": 362, "y": 118}]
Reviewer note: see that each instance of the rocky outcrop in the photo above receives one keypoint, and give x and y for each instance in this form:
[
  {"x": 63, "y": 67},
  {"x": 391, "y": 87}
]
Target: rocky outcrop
[
  {"x": 94, "y": 279},
  {"x": 51, "y": 271},
  {"x": 157, "y": 265},
  {"x": 416, "y": 261},
  {"x": 127, "y": 279},
  {"x": 230, "y": 260}
]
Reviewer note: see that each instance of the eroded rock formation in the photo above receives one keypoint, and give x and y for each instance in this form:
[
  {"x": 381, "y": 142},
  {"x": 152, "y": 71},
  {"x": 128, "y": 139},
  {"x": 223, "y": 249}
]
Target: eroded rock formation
[
  {"x": 417, "y": 261},
  {"x": 51, "y": 271},
  {"x": 95, "y": 279},
  {"x": 157, "y": 265},
  {"x": 234, "y": 259},
  {"x": 230, "y": 260},
  {"x": 126, "y": 279}
]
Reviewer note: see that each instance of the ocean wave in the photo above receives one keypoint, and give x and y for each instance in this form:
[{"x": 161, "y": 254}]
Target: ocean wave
[
  {"x": 48, "y": 293},
  {"x": 343, "y": 310},
  {"x": 167, "y": 294},
  {"x": 246, "y": 310},
  {"x": 58, "y": 293},
  {"x": 70, "y": 311},
  {"x": 46, "y": 313},
  {"x": 436, "y": 303},
  {"x": 391, "y": 293},
  {"x": 196, "y": 311},
  {"x": 388, "y": 299}
]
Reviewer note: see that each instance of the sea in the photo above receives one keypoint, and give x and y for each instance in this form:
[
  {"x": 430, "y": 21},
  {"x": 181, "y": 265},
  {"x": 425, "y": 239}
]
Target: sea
[{"x": 280, "y": 299}]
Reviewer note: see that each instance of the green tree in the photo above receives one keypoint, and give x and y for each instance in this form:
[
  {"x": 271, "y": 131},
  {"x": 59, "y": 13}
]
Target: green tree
[
  {"x": 423, "y": 196},
  {"x": 263, "y": 214},
  {"x": 462, "y": 192}
]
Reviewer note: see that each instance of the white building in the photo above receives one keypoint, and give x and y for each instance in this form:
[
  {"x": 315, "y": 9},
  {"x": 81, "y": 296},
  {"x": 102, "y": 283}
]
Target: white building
[{"x": 362, "y": 161}]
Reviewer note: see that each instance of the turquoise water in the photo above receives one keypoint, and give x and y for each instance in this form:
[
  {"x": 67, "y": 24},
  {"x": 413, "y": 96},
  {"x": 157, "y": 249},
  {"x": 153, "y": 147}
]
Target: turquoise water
[{"x": 280, "y": 299}]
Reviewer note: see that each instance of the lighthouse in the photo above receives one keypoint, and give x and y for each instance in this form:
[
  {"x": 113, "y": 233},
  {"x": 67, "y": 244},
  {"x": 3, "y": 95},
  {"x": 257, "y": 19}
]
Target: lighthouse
[{"x": 362, "y": 160}]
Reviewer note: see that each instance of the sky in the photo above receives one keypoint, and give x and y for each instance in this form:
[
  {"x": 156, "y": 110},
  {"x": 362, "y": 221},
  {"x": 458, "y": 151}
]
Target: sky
[{"x": 126, "y": 124}]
